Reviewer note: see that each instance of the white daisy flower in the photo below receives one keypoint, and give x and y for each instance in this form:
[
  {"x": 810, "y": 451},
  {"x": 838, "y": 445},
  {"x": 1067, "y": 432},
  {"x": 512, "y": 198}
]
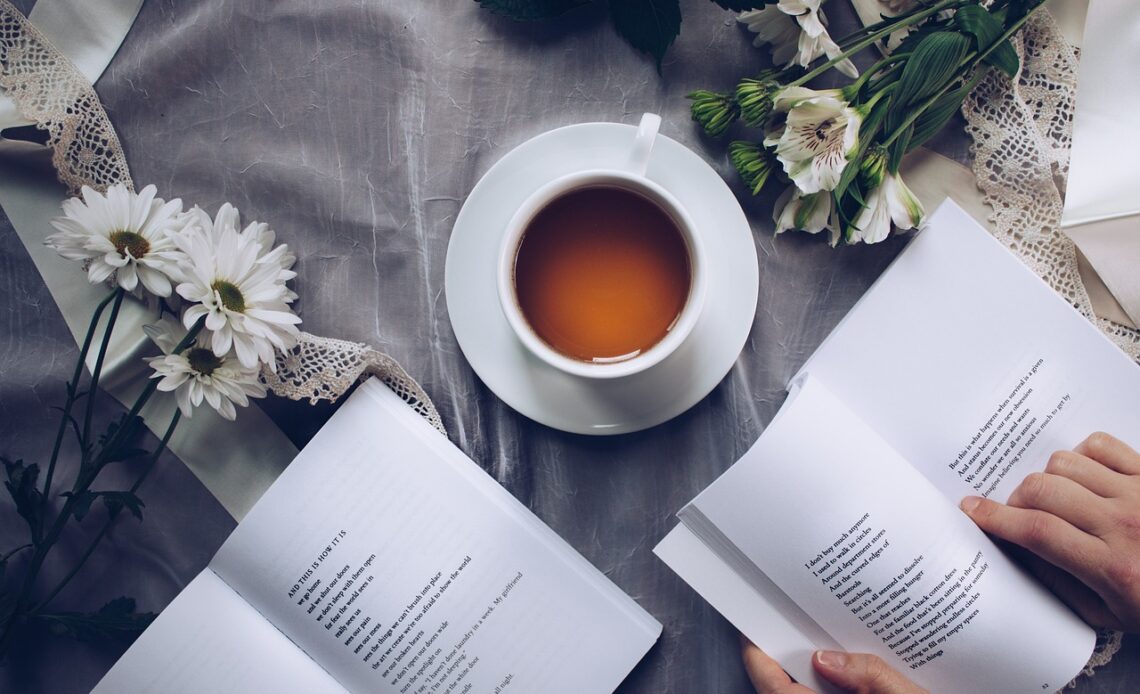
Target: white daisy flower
[
  {"x": 819, "y": 133},
  {"x": 779, "y": 31},
  {"x": 229, "y": 218},
  {"x": 811, "y": 213},
  {"x": 237, "y": 282},
  {"x": 198, "y": 374},
  {"x": 796, "y": 31},
  {"x": 121, "y": 234}
]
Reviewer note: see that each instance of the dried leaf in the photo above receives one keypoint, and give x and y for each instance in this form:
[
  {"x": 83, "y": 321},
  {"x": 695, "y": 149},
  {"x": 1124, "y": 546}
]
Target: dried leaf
[{"x": 116, "y": 620}]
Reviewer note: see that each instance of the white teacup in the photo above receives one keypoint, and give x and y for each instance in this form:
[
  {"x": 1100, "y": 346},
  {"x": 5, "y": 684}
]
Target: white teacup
[{"x": 631, "y": 178}]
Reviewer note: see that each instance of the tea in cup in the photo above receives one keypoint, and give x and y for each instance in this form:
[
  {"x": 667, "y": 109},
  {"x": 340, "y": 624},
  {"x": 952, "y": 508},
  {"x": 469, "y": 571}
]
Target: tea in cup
[{"x": 600, "y": 271}]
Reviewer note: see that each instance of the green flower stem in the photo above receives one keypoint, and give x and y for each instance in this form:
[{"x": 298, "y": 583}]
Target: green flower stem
[
  {"x": 142, "y": 399},
  {"x": 890, "y": 22},
  {"x": 870, "y": 39},
  {"x": 98, "y": 370},
  {"x": 111, "y": 516},
  {"x": 875, "y": 69},
  {"x": 10, "y": 554},
  {"x": 967, "y": 65},
  {"x": 82, "y": 482},
  {"x": 72, "y": 392}
]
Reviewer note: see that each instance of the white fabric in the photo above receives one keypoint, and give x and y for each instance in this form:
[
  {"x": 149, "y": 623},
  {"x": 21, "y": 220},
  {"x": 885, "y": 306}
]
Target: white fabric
[
  {"x": 88, "y": 32},
  {"x": 236, "y": 461},
  {"x": 1022, "y": 131},
  {"x": 1103, "y": 171},
  {"x": 218, "y": 452},
  {"x": 1112, "y": 248},
  {"x": 85, "y": 150}
]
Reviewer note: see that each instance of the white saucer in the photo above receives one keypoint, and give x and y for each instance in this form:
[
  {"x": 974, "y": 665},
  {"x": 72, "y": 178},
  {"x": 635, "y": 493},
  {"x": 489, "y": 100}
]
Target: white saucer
[{"x": 582, "y": 405}]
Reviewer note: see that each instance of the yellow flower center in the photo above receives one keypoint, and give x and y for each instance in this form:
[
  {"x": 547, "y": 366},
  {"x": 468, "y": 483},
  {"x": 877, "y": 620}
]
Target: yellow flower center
[
  {"x": 129, "y": 242},
  {"x": 230, "y": 295},
  {"x": 203, "y": 361}
]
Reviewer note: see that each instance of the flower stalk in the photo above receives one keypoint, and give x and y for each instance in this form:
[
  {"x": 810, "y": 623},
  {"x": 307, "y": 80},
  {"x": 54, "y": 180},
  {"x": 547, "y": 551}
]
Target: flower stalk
[
  {"x": 236, "y": 308},
  {"x": 72, "y": 396},
  {"x": 842, "y": 148},
  {"x": 890, "y": 28},
  {"x": 112, "y": 514}
]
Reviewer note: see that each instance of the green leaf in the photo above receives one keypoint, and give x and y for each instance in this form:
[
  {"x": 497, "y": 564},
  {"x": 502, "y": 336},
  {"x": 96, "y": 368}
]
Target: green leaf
[
  {"x": 929, "y": 68},
  {"x": 744, "y": 5},
  {"x": 129, "y": 424},
  {"x": 899, "y": 148},
  {"x": 850, "y": 205},
  {"x": 936, "y": 117},
  {"x": 530, "y": 10},
  {"x": 7, "y": 606},
  {"x": 916, "y": 35},
  {"x": 83, "y": 501},
  {"x": 649, "y": 25},
  {"x": 126, "y": 454},
  {"x": 867, "y": 133},
  {"x": 21, "y": 486},
  {"x": 116, "y": 501},
  {"x": 986, "y": 29},
  {"x": 117, "y": 620}
]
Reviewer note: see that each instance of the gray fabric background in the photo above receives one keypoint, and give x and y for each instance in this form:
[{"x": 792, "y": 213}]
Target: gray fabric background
[{"x": 356, "y": 129}]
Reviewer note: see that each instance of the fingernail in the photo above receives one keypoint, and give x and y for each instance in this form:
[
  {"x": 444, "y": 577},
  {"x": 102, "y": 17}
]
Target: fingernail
[
  {"x": 970, "y": 503},
  {"x": 836, "y": 660}
]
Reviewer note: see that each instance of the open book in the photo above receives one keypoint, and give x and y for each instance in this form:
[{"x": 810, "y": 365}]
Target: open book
[
  {"x": 957, "y": 374},
  {"x": 384, "y": 560}
]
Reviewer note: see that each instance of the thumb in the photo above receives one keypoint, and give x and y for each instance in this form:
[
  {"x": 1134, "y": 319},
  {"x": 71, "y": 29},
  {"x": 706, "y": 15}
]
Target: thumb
[{"x": 862, "y": 673}]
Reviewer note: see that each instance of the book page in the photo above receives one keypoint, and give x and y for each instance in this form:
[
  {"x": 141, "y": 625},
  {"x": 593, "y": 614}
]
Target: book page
[
  {"x": 867, "y": 547},
  {"x": 400, "y": 566},
  {"x": 972, "y": 367},
  {"x": 758, "y": 609},
  {"x": 210, "y": 640}
]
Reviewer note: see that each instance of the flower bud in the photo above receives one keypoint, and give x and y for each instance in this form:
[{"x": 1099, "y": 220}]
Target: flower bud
[
  {"x": 714, "y": 111},
  {"x": 752, "y": 161},
  {"x": 755, "y": 99},
  {"x": 873, "y": 167}
]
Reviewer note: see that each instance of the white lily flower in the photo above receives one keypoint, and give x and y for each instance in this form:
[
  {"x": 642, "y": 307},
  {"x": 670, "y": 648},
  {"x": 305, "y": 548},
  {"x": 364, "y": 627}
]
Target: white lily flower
[
  {"x": 820, "y": 132},
  {"x": 811, "y": 213},
  {"x": 796, "y": 31},
  {"x": 890, "y": 201}
]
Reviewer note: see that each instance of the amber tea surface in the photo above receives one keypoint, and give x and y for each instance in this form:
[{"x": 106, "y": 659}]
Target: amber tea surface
[{"x": 602, "y": 274}]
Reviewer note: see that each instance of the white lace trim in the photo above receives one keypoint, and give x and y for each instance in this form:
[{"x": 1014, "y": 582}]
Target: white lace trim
[
  {"x": 1022, "y": 132},
  {"x": 51, "y": 92},
  {"x": 342, "y": 364}
]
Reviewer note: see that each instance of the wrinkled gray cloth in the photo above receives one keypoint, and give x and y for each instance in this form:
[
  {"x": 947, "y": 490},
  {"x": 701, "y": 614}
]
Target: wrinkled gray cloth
[{"x": 356, "y": 129}]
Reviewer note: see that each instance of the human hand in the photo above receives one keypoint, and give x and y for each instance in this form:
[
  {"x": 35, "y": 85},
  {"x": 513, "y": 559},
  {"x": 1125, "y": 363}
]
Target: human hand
[
  {"x": 1081, "y": 520},
  {"x": 852, "y": 672}
]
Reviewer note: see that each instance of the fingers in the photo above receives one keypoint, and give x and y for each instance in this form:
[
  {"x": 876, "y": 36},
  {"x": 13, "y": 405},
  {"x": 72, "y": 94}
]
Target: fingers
[
  {"x": 1063, "y": 498},
  {"x": 1088, "y": 473},
  {"x": 862, "y": 673},
  {"x": 1056, "y": 541},
  {"x": 1087, "y": 604},
  {"x": 766, "y": 674},
  {"x": 1111, "y": 452}
]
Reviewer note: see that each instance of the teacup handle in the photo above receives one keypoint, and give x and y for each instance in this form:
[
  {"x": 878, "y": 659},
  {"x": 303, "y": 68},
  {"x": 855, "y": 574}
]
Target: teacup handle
[{"x": 643, "y": 143}]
